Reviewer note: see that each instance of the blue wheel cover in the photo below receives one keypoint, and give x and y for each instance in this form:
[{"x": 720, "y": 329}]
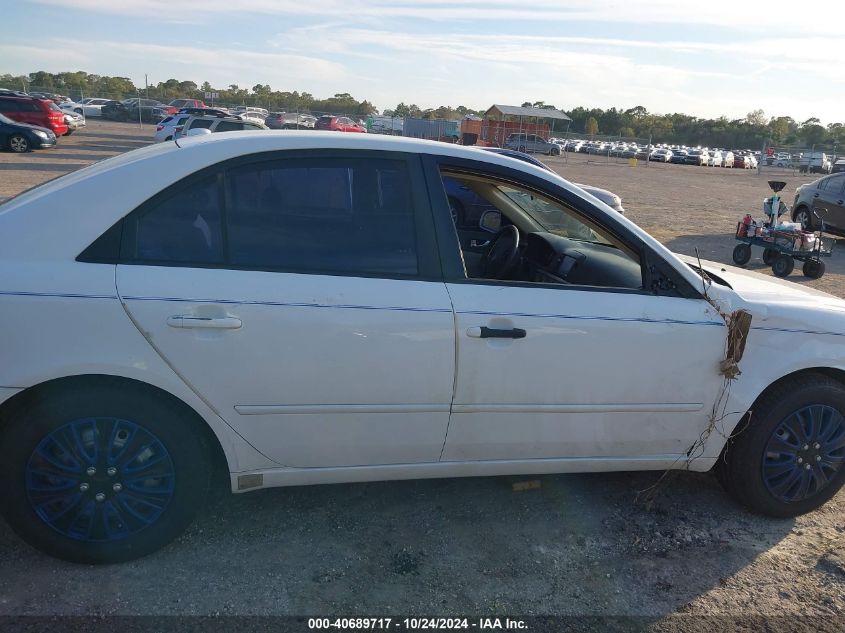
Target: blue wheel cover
[
  {"x": 804, "y": 453},
  {"x": 100, "y": 480}
]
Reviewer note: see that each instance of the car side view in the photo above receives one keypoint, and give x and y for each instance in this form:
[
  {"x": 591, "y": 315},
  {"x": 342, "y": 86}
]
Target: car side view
[{"x": 300, "y": 308}]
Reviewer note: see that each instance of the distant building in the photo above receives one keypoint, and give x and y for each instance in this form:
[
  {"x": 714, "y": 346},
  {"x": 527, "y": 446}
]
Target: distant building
[
  {"x": 500, "y": 121},
  {"x": 433, "y": 129}
]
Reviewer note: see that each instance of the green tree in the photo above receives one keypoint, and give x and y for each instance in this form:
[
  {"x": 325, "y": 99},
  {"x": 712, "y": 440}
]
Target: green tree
[{"x": 591, "y": 127}]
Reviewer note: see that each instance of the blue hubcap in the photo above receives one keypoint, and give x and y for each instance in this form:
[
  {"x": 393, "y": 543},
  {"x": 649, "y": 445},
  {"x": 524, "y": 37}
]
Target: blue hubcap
[
  {"x": 100, "y": 479},
  {"x": 804, "y": 453}
]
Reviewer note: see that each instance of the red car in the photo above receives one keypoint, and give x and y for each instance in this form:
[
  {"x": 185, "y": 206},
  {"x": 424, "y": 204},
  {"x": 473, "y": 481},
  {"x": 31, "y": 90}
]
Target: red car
[
  {"x": 178, "y": 104},
  {"x": 24, "y": 108},
  {"x": 338, "y": 124}
]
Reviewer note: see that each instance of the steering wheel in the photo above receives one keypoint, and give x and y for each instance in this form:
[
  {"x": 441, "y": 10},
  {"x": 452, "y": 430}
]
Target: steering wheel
[{"x": 503, "y": 255}]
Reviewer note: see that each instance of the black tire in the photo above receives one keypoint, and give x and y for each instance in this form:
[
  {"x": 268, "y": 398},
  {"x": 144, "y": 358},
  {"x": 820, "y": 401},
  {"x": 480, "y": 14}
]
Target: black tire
[
  {"x": 742, "y": 254},
  {"x": 169, "y": 138},
  {"x": 783, "y": 265},
  {"x": 68, "y": 133},
  {"x": 555, "y": 151},
  {"x": 742, "y": 465},
  {"x": 172, "y": 469},
  {"x": 769, "y": 255},
  {"x": 805, "y": 217},
  {"x": 813, "y": 268},
  {"x": 78, "y": 110},
  {"x": 19, "y": 144},
  {"x": 521, "y": 148}
]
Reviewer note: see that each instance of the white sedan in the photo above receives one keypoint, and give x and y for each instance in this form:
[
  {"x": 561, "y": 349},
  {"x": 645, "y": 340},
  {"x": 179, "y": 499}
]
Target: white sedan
[
  {"x": 299, "y": 308},
  {"x": 89, "y": 106}
]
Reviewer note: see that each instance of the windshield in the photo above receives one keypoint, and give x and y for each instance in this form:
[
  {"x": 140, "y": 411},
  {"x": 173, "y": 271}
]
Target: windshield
[{"x": 551, "y": 216}]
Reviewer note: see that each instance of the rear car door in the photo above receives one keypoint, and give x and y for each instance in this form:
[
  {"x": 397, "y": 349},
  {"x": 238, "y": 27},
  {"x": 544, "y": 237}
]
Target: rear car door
[
  {"x": 832, "y": 198},
  {"x": 301, "y": 296}
]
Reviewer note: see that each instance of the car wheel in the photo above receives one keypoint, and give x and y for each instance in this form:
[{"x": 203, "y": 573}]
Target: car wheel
[
  {"x": 804, "y": 216},
  {"x": 169, "y": 138},
  {"x": 554, "y": 152},
  {"x": 101, "y": 475},
  {"x": 19, "y": 143},
  {"x": 790, "y": 459},
  {"x": 521, "y": 148},
  {"x": 782, "y": 265},
  {"x": 813, "y": 268},
  {"x": 78, "y": 110},
  {"x": 68, "y": 133},
  {"x": 769, "y": 255},
  {"x": 742, "y": 254}
]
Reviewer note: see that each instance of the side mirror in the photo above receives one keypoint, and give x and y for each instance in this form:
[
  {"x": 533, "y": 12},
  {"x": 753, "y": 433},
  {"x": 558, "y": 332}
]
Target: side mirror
[{"x": 491, "y": 221}]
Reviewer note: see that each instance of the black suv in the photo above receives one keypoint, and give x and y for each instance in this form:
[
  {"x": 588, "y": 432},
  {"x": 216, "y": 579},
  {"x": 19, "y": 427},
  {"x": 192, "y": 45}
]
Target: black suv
[{"x": 827, "y": 197}]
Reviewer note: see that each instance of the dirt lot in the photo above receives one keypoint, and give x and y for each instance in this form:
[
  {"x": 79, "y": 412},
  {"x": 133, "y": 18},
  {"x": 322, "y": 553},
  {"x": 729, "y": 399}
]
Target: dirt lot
[{"x": 578, "y": 545}]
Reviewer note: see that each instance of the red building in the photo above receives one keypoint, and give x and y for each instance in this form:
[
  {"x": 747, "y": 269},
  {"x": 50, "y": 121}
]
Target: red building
[{"x": 500, "y": 121}]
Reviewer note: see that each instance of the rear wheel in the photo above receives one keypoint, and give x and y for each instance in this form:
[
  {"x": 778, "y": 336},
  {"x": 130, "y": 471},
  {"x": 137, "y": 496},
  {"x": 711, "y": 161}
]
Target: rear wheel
[
  {"x": 813, "y": 268},
  {"x": 791, "y": 457},
  {"x": 742, "y": 254},
  {"x": 18, "y": 143},
  {"x": 101, "y": 475},
  {"x": 783, "y": 265},
  {"x": 769, "y": 255}
]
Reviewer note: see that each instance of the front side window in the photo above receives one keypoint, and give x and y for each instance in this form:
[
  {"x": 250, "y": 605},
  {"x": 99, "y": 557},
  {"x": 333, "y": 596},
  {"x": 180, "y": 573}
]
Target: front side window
[
  {"x": 229, "y": 126},
  {"x": 200, "y": 123}
]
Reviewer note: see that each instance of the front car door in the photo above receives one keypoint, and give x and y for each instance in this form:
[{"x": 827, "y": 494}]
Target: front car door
[
  {"x": 586, "y": 352},
  {"x": 301, "y": 296},
  {"x": 832, "y": 199}
]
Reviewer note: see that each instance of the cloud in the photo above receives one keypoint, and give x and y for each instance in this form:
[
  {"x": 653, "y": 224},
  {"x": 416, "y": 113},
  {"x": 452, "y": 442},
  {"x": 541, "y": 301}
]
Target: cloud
[{"x": 727, "y": 13}]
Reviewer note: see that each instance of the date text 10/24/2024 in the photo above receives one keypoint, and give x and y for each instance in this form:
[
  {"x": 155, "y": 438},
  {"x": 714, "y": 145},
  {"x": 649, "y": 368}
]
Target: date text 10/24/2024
[{"x": 416, "y": 624}]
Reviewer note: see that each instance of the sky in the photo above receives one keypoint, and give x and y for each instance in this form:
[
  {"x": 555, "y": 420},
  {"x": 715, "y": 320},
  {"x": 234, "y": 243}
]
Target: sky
[{"x": 722, "y": 57}]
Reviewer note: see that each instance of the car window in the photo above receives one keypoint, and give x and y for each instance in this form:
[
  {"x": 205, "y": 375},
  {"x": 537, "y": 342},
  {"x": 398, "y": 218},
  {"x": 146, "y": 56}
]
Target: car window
[
  {"x": 198, "y": 123},
  {"x": 835, "y": 184},
  {"x": 322, "y": 216},
  {"x": 184, "y": 227},
  {"x": 229, "y": 126},
  {"x": 8, "y": 105}
]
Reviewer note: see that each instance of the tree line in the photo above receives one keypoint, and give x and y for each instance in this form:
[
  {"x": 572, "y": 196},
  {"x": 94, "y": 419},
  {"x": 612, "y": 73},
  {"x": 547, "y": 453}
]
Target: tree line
[{"x": 637, "y": 122}]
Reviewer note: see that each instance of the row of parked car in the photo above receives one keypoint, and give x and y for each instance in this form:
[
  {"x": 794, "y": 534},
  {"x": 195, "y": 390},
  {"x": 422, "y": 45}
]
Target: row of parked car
[
  {"x": 32, "y": 121},
  {"x": 678, "y": 154}
]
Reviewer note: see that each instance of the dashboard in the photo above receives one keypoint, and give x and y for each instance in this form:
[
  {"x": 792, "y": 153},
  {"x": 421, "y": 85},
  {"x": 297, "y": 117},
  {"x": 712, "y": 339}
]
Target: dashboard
[{"x": 555, "y": 259}]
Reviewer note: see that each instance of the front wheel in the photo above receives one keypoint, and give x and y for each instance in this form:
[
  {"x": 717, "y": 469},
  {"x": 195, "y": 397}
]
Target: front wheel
[
  {"x": 790, "y": 458},
  {"x": 19, "y": 144},
  {"x": 101, "y": 475},
  {"x": 742, "y": 254},
  {"x": 805, "y": 218},
  {"x": 783, "y": 265}
]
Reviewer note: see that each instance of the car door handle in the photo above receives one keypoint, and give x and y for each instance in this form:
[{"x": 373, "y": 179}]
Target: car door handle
[
  {"x": 487, "y": 332},
  {"x": 815, "y": 195},
  {"x": 839, "y": 202},
  {"x": 478, "y": 243},
  {"x": 188, "y": 321}
]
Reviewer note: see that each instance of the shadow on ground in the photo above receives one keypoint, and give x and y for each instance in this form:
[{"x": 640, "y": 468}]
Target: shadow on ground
[{"x": 581, "y": 544}]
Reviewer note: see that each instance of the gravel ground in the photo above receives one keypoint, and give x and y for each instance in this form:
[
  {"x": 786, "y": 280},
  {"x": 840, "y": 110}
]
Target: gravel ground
[{"x": 577, "y": 545}]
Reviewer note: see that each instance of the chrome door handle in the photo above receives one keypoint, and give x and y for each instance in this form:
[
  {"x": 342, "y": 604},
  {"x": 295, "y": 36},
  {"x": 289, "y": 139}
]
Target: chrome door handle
[
  {"x": 478, "y": 243},
  {"x": 189, "y": 321}
]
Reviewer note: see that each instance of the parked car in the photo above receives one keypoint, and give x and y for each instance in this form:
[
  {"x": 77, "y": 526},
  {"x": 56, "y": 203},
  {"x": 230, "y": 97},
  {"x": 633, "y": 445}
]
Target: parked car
[
  {"x": 22, "y": 137},
  {"x": 825, "y": 196},
  {"x": 714, "y": 158},
  {"x": 727, "y": 159},
  {"x": 608, "y": 197},
  {"x": 187, "y": 103},
  {"x": 661, "y": 155},
  {"x": 531, "y": 143},
  {"x": 91, "y": 106},
  {"x": 36, "y": 111},
  {"x": 290, "y": 121},
  {"x": 814, "y": 163},
  {"x": 679, "y": 157},
  {"x": 334, "y": 257},
  {"x": 128, "y": 110},
  {"x": 838, "y": 166},
  {"x": 74, "y": 122},
  {"x": 338, "y": 124},
  {"x": 698, "y": 157},
  {"x": 217, "y": 124},
  {"x": 167, "y": 127},
  {"x": 205, "y": 111}
]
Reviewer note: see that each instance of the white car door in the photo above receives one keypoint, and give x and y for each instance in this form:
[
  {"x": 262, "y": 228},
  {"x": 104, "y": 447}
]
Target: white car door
[
  {"x": 302, "y": 298},
  {"x": 568, "y": 370}
]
